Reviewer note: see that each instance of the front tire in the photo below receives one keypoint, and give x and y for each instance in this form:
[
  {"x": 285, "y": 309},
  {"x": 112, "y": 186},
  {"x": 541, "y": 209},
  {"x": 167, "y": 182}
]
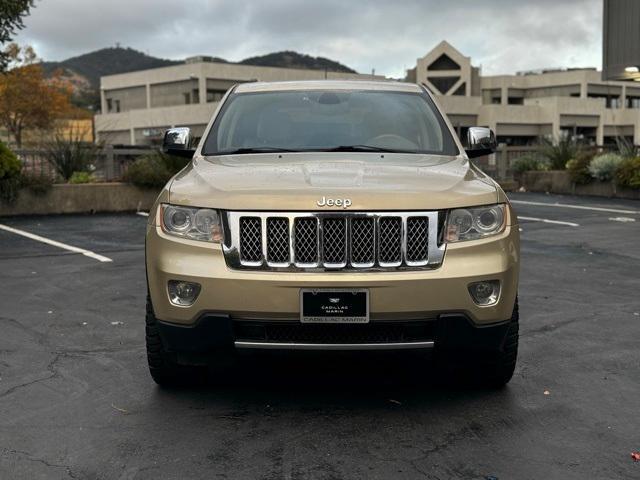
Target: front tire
[
  {"x": 163, "y": 365},
  {"x": 488, "y": 368}
]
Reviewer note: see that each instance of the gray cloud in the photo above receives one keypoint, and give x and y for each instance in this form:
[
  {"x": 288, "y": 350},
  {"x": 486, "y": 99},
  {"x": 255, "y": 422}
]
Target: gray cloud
[{"x": 501, "y": 35}]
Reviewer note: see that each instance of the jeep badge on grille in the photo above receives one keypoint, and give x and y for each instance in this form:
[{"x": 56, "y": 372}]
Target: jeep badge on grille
[{"x": 334, "y": 202}]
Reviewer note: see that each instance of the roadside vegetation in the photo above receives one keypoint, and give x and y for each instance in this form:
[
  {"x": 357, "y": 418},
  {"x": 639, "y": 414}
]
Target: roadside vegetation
[
  {"x": 583, "y": 163},
  {"x": 10, "y": 168},
  {"x": 154, "y": 170}
]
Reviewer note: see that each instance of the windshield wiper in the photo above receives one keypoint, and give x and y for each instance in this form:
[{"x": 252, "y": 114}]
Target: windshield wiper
[
  {"x": 245, "y": 150},
  {"x": 364, "y": 148}
]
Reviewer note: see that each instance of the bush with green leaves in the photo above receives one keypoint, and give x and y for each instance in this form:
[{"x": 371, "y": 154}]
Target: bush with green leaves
[
  {"x": 154, "y": 170},
  {"x": 10, "y": 167},
  {"x": 38, "y": 184},
  {"x": 603, "y": 167},
  {"x": 628, "y": 173},
  {"x": 81, "y": 177},
  {"x": 560, "y": 152},
  {"x": 578, "y": 167},
  {"x": 529, "y": 162}
]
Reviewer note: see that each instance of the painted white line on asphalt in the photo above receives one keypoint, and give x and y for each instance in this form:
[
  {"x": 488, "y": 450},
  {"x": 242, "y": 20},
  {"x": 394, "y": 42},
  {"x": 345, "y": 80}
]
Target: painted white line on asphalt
[
  {"x": 622, "y": 219},
  {"x": 579, "y": 207},
  {"x": 71, "y": 248},
  {"x": 545, "y": 220},
  {"x": 143, "y": 214}
]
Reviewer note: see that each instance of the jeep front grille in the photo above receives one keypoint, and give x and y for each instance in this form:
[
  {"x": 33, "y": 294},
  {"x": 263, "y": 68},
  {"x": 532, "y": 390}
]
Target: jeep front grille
[{"x": 333, "y": 240}]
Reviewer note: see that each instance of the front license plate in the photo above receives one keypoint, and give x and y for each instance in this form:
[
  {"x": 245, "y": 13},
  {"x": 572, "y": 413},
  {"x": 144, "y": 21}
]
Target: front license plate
[{"x": 334, "y": 306}]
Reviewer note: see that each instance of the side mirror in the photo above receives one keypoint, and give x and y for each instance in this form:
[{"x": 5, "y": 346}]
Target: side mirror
[
  {"x": 480, "y": 141},
  {"x": 177, "y": 141}
]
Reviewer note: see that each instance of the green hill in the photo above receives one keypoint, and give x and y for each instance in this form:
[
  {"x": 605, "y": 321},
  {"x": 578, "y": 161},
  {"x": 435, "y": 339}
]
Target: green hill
[{"x": 84, "y": 71}]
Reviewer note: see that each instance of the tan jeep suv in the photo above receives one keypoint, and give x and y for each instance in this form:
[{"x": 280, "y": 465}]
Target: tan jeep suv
[{"x": 332, "y": 215}]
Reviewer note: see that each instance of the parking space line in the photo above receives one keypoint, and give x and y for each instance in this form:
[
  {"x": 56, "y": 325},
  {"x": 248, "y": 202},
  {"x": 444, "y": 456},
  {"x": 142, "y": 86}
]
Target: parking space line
[
  {"x": 579, "y": 207},
  {"x": 143, "y": 214},
  {"x": 71, "y": 248},
  {"x": 546, "y": 220}
]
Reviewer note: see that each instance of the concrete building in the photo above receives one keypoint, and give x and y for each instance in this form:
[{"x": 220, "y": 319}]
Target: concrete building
[
  {"x": 621, "y": 40},
  {"x": 525, "y": 106},
  {"x": 138, "y": 106}
]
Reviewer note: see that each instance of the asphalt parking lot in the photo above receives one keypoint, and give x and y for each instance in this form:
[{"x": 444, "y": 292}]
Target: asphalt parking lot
[{"x": 76, "y": 400}]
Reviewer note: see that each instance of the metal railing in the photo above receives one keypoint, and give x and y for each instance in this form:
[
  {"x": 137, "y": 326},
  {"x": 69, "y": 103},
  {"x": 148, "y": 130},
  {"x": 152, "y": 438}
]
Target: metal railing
[
  {"x": 499, "y": 164},
  {"x": 107, "y": 164},
  {"x": 111, "y": 162}
]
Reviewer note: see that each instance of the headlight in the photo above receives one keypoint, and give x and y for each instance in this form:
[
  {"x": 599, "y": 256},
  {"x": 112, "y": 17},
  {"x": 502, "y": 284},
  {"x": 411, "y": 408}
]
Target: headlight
[
  {"x": 477, "y": 222},
  {"x": 192, "y": 223}
]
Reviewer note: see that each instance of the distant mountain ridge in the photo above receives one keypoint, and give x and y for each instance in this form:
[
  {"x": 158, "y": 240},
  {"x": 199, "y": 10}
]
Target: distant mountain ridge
[
  {"x": 290, "y": 59},
  {"x": 107, "y": 61},
  {"x": 84, "y": 71}
]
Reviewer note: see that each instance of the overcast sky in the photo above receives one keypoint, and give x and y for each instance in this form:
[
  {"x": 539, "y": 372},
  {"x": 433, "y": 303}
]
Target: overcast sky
[{"x": 502, "y": 36}]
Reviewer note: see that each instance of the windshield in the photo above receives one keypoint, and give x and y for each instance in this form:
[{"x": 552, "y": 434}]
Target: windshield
[{"x": 329, "y": 120}]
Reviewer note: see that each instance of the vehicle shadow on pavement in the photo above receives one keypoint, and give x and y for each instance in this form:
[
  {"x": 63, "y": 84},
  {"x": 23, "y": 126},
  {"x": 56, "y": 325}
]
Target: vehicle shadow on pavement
[{"x": 355, "y": 380}]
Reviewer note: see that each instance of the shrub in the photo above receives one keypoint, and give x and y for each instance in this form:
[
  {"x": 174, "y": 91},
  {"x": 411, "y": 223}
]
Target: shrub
[
  {"x": 529, "y": 162},
  {"x": 560, "y": 152},
  {"x": 81, "y": 177},
  {"x": 10, "y": 167},
  {"x": 603, "y": 167},
  {"x": 628, "y": 174},
  {"x": 37, "y": 184},
  {"x": 626, "y": 148},
  {"x": 68, "y": 153},
  {"x": 154, "y": 170},
  {"x": 578, "y": 167}
]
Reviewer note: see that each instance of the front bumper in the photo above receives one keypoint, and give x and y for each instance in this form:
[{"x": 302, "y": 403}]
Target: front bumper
[
  {"x": 274, "y": 296},
  {"x": 216, "y": 333}
]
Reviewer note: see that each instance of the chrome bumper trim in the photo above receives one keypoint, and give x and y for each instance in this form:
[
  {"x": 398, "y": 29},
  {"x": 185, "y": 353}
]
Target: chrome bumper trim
[{"x": 334, "y": 346}]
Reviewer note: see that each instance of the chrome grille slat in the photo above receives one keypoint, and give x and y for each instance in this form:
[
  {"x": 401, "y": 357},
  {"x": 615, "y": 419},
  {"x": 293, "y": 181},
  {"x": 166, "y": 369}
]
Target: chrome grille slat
[
  {"x": 417, "y": 240},
  {"x": 333, "y": 241},
  {"x": 278, "y": 251},
  {"x": 251, "y": 240},
  {"x": 306, "y": 241},
  {"x": 390, "y": 241},
  {"x": 363, "y": 242}
]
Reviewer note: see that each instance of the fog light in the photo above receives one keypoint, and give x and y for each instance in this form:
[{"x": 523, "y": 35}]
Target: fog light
[
  {"x": 486, "y": 292},
  {"x": 183, "y": 293}
]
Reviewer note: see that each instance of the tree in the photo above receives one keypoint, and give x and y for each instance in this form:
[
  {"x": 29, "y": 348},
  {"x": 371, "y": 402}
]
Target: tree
[
  {"x": 11, "y": 13},
  {"x": 28, "y": 100}
]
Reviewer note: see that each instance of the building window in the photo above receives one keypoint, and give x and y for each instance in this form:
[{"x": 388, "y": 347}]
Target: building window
[
  {"x": 633, "y": 102},
  {"x": 215, "y": 95},
  {"x": 443, "y": 84},
  {"x": 187, "y": 98},
  {"x": 496, "y": 100},
  {"x": 443, "y": 62},
  {"x": 516, "y": 101},
  {"x": 109, "y": 105},
  {"x": 461, "y": 90},
  {"x": 117, "y": 105}
]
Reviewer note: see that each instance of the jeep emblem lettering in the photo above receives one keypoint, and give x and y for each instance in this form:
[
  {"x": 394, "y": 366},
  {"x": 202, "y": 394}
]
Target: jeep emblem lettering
[{"x": 334, "y": 202}]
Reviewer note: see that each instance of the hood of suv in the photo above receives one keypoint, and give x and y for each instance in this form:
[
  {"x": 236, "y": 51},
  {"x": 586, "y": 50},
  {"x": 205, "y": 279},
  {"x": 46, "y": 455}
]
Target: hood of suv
[{"x": 298, "y": 181}]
